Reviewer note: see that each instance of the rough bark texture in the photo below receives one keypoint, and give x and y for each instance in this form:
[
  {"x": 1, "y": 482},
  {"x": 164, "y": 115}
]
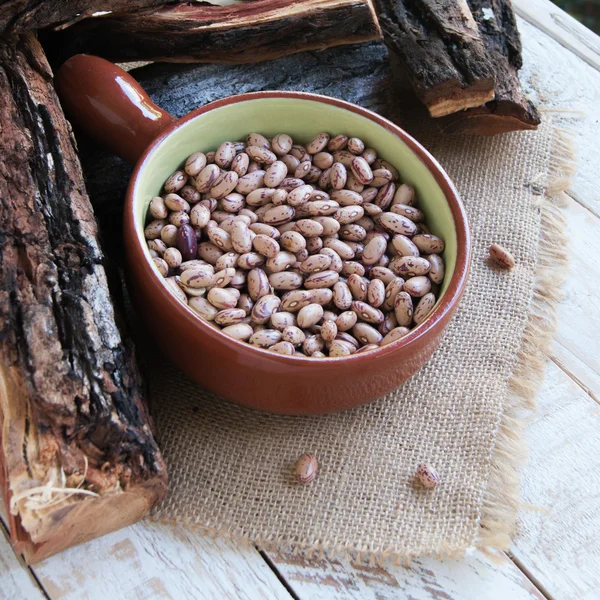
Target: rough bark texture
[
  {"x": 461, "y": 54},
  {"x": 510, "y": 110},
  {"x": 72, "y": 414},
  {"x": 240, "y": 33},
  {"x": 23, "y": 15},
  {"x": 441, "y": 51}
]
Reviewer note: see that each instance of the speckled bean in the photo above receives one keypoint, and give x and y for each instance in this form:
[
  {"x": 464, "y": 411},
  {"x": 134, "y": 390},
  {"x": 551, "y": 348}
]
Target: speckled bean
[
  {"x": 286, "y": 280},
  {"x": 315, "y": 263},
  {"x": 258, "y": 284},
  {"x": 367, "y": 313},
  {"x": 240, "y": 331},
  {"x": 322, "y": 296},
  {"x": 266, "y": 245},
  {"x": 403, "y": 308},
  {"x": 424, "y": 308},
  {"x": 203, "y": 308},
  {"x": 265, "y": 338},
  {"x": 376, "y": 293},
  {"x": 230, "y": 316},
  {"x": 428, "y": 243},
  {"x": 366, "y": 334},
  {"x": 294, "y": 335},
  {"x": 278, "y": 215},
  {"x": 394, "y": 335},
  {"x": 281, "y": 319},
  {"x": 418, "y": 286},
  {"x": 295, "y": 300},
  {"x": 322, "y": 279},
  {"x": 265, "y": 307},
  {"x": 358, "y": 287},
  {"x": 397, "y": 224},
  {"x": 195, "y": 163}
]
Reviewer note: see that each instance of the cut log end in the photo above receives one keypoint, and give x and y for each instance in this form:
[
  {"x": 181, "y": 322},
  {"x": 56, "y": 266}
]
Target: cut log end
[{"x": 441, "y": 105}]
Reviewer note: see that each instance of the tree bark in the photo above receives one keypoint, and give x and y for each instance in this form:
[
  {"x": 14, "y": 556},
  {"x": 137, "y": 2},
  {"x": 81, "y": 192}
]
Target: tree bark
[
  {"x": 510, "y": 110},
  {"x": 22, "y": 15},
  {"x": 77, "y": 453},
  {"x": 441, "y": 51},
  {"x": 461, "y": 58},
  {"x": 240, "y": 33}
]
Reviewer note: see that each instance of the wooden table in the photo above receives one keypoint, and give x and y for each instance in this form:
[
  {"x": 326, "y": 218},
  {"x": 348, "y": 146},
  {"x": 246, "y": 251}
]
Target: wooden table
[{"x": 557, "y": 551}]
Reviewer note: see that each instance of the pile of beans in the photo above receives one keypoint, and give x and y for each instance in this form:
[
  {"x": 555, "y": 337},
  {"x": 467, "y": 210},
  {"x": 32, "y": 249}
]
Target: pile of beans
[{"x": 313, "y": 250}]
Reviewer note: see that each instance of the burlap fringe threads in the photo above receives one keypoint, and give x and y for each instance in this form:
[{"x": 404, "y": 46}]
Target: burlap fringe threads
[{"x": 501, "y": 502}]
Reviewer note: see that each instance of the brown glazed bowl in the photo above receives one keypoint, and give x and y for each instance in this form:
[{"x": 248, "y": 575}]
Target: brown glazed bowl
[{"x": 111, "y": 107}]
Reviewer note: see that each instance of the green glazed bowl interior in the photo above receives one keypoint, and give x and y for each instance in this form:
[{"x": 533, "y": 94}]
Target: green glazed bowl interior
[{"x": 302, "y": 119}]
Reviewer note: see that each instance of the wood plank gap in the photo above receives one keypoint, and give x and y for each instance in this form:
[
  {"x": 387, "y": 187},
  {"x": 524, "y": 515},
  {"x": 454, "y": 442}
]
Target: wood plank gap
[
  {"x": 574, "y": 197},
  {"x": 277, "y": 573},
  {"x": 25, "y": 567},
  {"x": 534, "y": 580},
  {"x": 560, "y": 26},
  {"x": 575, "y": 379},
  {"x": 526, "y": 573},
  {"x": 35, "y": 579}
]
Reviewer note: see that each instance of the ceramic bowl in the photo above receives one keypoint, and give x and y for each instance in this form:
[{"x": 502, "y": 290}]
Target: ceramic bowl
[{"x": 235, "y": 370}]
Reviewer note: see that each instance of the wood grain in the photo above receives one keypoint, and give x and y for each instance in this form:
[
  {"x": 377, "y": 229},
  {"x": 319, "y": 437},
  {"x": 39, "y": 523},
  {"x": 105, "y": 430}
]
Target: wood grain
[
  {"x": 579, "y": 320},
  {"x": 574, "y": 94},
  {"x": 510, "y": 109},
  {"x": 563, "y": 84},
  {"x": 16, "y": 581},
  {"x": 22, "y": 15},
  {"x": 425, "y": 579},
  {"x": 559, "y": 25},
  {"x": 558, "y": 543},
  {"x": 239, "y": 33},
  {"x": 151, "y": 561},
  {"x": 441, "y": 51},
  {"x": 577, "y": 370}
]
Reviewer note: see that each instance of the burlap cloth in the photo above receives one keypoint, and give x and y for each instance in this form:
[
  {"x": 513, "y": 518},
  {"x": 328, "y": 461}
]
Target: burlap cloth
[{"x": 229, "y": 467}]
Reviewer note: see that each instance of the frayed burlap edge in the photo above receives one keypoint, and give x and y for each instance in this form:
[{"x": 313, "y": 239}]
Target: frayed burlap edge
[{"x": 501, "y": 500}]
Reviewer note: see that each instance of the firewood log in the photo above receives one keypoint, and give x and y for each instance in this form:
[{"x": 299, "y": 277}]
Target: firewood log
[
  {"x": 239, "y": 33},
  {"x": 461, "y": 58},
  {"x": 77, "y": 454},
  {"x": 23, "y": 15},
  {"x": 510, "y": 110},
  {"x": 441, "y": 50}
]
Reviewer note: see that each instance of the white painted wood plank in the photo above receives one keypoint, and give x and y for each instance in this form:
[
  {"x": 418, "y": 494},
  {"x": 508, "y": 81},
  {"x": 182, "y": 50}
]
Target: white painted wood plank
[
  {"x": 558, "y": 80},
  {"x": 16, "y": 582},
  {"x": 559, "y": 545},
  {"x": 579, "y": 318},
  {"x": 554, "y": 21},
  {"x": 150, "y": 561},
  {"x": 577, "y": 370},
  {"x": 477, "y": 577}
]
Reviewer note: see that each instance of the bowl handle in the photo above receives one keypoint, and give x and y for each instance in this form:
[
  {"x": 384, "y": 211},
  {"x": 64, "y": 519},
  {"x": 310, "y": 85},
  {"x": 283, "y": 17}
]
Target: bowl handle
[{"x": 109, "y": 105}]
